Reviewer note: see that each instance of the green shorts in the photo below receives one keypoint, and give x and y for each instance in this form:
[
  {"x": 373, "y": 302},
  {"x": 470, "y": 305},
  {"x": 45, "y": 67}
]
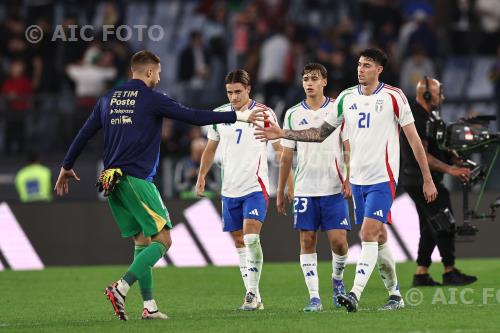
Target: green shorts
[{"x": 137, "y": 207}]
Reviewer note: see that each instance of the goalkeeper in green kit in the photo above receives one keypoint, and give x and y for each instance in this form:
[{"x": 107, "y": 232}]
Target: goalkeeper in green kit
[{"x": 131, "y": 118}]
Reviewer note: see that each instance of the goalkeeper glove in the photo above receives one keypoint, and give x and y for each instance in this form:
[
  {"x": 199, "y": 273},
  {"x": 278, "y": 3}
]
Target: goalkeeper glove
[{"x": 108, "y": 179}]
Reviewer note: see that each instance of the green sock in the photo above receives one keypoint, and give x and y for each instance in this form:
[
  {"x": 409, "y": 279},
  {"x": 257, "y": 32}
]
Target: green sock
[
  {"x": 144, "y": 262},
  {"x": 145, "y": 282}
]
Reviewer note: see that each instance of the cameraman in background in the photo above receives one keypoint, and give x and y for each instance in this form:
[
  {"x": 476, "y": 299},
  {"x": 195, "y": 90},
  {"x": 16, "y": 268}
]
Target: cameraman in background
[{"x": 437, "y": 225}]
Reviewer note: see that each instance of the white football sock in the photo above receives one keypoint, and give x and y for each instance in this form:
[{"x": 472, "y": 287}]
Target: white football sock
[
  {"x": 364, "y": 268},
  {"x": 387, "y": 270},
  {"x": 309, "y": 263},
  {"x": 254, "y": 262},
  {"x": 338, "y": 265},
  {"x": 150, "y": 305},
  {"x": 122, "y": 287},
  {"x": 242, "y": 257}
]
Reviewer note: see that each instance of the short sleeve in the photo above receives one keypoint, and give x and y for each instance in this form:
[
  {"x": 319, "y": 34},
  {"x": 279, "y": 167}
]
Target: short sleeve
[
  {"x": 270, "y": 113},
  {"x": 287, "y": 125},
  {"x": 336, "y": 117},
  {"x": 213, "y": 133},
  {"x": 402, "y": 108}
]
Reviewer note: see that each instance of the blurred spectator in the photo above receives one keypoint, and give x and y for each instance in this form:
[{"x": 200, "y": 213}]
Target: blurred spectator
[
  {"x": 338, "y": 74},
  {"x": 18, "y": 91},
  {"x": 271, "y": 75},
  {"x": 108, "y": 13},
  {"x": 414, "y": 69},
  {"x": 462, "y": 21},
  {"x": 495, "y": 78},
  {"x": 186, "y": 173},
  {"x": 380, "y": 12},
  {"x": 488, "y": 12},
  {"x": 91, "y": 74},
  {"x": 194, "y": 70},
  {"x": 425, "y": 35},
  {"x": 34, "y": 181}
]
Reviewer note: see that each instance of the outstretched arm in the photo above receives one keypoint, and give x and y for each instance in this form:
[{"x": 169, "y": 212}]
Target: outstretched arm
[
  {"x": 317, "y": 134},
  {"x": 169, "y": 108}
]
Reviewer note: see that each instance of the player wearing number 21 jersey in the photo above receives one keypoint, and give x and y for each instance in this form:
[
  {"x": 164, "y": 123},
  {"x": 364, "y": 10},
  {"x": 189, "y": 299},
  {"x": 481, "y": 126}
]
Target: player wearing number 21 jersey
[
  {"x": 372, "y": 113},
  {"x": 245, "y": 183}
]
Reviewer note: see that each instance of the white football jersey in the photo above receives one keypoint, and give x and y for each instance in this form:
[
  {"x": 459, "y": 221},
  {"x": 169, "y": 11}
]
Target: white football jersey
[
  {"x": 243, "y": 158},
  {"x": 319, "y": 164},
  {"x": 373, "y": 123}
]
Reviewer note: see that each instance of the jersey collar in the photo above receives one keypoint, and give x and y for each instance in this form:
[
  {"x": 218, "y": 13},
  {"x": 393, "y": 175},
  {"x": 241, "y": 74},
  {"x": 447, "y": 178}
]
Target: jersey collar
[
  {"x": 307, "y": 107},
  {"x": 379, "y": 88},
  {"x": 252, "y": 105}
]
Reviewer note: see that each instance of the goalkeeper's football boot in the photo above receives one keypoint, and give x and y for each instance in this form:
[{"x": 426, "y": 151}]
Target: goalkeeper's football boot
[
  {"x": 338, "y": 289},
  {"x": 349, "y": 301},
  {"x": 251, "y": 302},
  {"x": 117, "y": 300},
  {"x": 146, "y": 314},
  {"x": 314, "y": 305},
  {"x": 394, "y": 303}
]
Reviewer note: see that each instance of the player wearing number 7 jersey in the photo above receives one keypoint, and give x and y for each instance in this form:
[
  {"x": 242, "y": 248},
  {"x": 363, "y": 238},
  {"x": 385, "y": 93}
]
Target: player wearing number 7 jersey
[
  {"x": 373, "y": 113},
  {"x": 245, "y": 184}
]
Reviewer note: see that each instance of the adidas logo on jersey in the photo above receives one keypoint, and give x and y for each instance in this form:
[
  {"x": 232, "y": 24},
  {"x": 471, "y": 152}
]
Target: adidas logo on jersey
[
  {"x": 254, "y": 212},
  {"x": 379, "y": 213},
  {"x": 344, "y": 222},
  {"x": 353, "y": 107},
  {"x": 303, "y": 122}
]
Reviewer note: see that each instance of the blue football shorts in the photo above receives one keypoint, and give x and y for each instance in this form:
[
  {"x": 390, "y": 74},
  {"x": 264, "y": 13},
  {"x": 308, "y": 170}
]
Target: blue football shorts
[
  {"x": 373, "y": 201},
  {"x": 235, "y": 210},
  {"x": 328, "y": 212}
]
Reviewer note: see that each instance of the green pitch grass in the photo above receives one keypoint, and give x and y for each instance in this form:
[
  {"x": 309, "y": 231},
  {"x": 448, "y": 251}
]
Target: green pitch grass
[{"x": 204, "y": 300}]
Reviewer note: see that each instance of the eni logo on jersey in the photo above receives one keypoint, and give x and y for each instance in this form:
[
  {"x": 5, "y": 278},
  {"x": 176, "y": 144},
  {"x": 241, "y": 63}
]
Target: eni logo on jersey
[{"x": 123, "y": 120}]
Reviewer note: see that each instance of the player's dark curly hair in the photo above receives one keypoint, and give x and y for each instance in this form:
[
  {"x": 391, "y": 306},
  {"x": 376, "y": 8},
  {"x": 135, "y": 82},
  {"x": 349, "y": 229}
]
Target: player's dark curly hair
[
  {"x": 315, "y": 67},
  {"x": 376, "y": 55},
  {"x": 238, "y": 76}
]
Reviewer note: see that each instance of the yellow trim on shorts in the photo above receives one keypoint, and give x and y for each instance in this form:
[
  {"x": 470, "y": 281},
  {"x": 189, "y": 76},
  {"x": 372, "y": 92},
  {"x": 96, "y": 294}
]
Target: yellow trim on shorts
[{"x": 160, "y": 221}]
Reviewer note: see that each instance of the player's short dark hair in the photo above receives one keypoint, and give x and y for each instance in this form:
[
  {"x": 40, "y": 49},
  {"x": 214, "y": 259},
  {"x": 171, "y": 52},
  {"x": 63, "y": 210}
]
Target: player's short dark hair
[
  {"x": 376, "y": 55},
  {"x": 238, "y": 76},
  {"x": 142, "y": 58},
  {"x": 315, "y": 67}
]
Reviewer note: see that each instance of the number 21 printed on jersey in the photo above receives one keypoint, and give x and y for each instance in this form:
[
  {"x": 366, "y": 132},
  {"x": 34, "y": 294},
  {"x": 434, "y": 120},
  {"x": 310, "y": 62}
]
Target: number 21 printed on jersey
[{"x": 364, "y": 120}]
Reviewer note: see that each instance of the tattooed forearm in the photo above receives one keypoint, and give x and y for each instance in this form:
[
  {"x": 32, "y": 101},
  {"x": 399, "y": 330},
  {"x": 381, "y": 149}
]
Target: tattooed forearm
[{"x": 311, "y": 134}]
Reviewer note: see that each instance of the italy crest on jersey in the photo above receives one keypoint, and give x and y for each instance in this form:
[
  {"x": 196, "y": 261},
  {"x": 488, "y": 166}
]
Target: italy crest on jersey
[{"x": 379, "y": 105}]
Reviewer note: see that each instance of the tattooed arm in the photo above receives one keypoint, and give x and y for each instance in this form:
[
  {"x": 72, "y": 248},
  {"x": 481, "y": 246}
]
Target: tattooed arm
[{"x": 309, "y": 135}]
